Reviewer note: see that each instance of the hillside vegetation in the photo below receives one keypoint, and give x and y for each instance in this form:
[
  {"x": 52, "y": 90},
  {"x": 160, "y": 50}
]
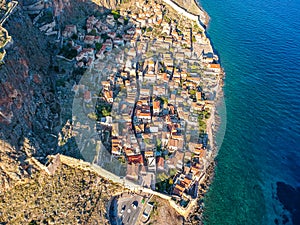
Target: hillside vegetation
[{"x": 69, "y": 196}]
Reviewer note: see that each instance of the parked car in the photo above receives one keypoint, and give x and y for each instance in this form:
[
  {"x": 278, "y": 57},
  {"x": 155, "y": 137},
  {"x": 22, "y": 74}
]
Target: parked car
[{"x": 135, "y": 204}]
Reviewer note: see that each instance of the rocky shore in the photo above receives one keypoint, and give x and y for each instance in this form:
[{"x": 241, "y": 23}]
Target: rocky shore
[
  {"x": 196, "y": 217},
  {"x": 32, "y": 103},
  {"x": 213, "y": 125}
]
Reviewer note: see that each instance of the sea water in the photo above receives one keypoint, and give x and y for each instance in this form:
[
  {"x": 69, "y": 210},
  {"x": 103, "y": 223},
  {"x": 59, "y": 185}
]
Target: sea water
[{"x": 259, "y": 46}]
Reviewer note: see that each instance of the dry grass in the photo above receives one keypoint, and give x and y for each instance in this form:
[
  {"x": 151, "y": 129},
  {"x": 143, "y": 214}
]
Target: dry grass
[
  {"x": 70, "y": 196},
  {"x": 163, "y": 212}
]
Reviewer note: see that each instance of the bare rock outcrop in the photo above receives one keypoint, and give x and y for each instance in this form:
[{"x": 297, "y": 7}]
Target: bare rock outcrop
[{"x": 28, "y": 106}]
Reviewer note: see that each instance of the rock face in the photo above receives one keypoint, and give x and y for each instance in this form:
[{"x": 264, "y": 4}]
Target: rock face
[
  {"x": 30, "y": 104},
  {"x": 67, "y": 8},
  {"x": 192, "y": 6},
  {"x": 30, "y": 121},
  {"x": 28, "y": 107},
  {"x": 10, "y": 169},
  {"x": 110, "y": 4}
]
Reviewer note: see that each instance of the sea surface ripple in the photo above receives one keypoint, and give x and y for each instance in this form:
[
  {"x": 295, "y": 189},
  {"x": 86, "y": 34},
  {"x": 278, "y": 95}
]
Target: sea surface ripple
[{"x": 259, "y": 47}]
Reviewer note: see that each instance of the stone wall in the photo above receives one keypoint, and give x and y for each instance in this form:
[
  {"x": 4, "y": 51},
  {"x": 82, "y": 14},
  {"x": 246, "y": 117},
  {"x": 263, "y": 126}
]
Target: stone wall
[{"x": 185, "y": 13}]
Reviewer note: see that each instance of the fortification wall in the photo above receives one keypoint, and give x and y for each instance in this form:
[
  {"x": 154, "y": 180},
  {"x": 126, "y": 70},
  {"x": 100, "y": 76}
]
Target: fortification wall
[{"x": 185, "y": 13}]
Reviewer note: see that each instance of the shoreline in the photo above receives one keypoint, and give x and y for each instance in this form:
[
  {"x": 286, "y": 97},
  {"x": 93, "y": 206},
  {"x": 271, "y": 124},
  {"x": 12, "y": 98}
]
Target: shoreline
[
  {"x": 205, "y": 13},
  {"x": 207, "y": 171},
  {"x": 196, "y": 207},
  {"x": 212, "y": 129}
]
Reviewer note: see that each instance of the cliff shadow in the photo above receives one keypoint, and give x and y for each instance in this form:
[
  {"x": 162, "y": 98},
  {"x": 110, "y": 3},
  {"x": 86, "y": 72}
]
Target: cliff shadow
[{"x": 39, "y": 74}]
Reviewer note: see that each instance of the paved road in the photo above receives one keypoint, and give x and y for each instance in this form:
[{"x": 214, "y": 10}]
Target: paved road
[
  {"x": 126, "y": 209},
  {"x": 128, "y": 184},
  {"x": 127, "y": 212}
]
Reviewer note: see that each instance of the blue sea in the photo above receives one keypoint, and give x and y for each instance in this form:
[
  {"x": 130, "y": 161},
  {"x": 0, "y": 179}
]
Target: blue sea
[{"x": 258, "y": 165}]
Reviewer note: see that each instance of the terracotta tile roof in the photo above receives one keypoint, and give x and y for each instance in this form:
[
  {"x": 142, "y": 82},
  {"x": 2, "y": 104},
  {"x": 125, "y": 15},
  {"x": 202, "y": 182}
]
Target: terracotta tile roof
[
  {"x": 160, "y": 162},
  {"x": 89, "y": 38},
  {"x": 128, "y": 151},
  {"x": 156, "y": 105},
  {"x": 187, "y": 182},
  {"x": 148, "y": 153},
  {"x": 178, "y": 190},
  {"x": 135, "y": 159},
  {"x": 194, "y": 170},
  {"x": 141, "y": 114},
  {"x": 214, "y": 66}
]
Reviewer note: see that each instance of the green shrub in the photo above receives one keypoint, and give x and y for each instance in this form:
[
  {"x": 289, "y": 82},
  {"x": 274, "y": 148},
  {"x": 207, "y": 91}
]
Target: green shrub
[
  {"x": 98, "y": 46},
  {"x": 116, "y": 14},
  {"x": 68, "y": 52},
  {"x": 74, "y": 36}
]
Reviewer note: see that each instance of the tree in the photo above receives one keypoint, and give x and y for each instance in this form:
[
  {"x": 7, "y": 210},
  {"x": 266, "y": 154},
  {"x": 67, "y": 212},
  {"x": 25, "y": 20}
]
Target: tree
[
  {"x": 207, "y": 115},
  {"x": 192, "y": 92},
  {"x": 92, "y": 116},
  {"x": 98, "y": 46},
  {"x": 167, "y": 19},
  {"x": 193, "y": 39},
  {"x": 202, "y": 126},
  {"x": 147, "y": 141},
  {"x": 165, "y": 100},
  {"x": 158, "y": 142},
  {"x": 116, "y": 14},
  {"x": 149, "y": 29},
  {"x": 126, "y": 20},
  {"x": 105, "y": 112},
  {"x": 68, "y": 52},
  {"x": 74, "y": 36},
  {"x": 104, "y": 37},
  {"x": 172, "y": 172},
  {"x": 56, "y": 69}
]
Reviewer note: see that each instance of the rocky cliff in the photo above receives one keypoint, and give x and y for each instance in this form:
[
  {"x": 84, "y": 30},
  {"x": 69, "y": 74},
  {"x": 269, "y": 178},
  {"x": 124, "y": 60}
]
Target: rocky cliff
[
  {"x": 32, "y": 91},
  {"x": 29, "y": 103},
  {"x": 28, "y": 106},
  {"x": 35, "y": 103}
]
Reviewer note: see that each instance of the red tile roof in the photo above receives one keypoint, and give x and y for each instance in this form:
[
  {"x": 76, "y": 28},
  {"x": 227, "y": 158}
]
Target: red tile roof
[
  {"x": 160, "y": 161},
  {"x": 135, "y": 159},
  {"x": 178, "y": 190},
  {"x": 214, "y": 66},
  {"x": 156, "y": 105}
]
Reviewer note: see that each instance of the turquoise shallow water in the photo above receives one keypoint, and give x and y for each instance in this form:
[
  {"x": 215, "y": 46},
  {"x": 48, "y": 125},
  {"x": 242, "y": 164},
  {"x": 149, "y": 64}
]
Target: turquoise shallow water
[{"x": 259, "y": 46}]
